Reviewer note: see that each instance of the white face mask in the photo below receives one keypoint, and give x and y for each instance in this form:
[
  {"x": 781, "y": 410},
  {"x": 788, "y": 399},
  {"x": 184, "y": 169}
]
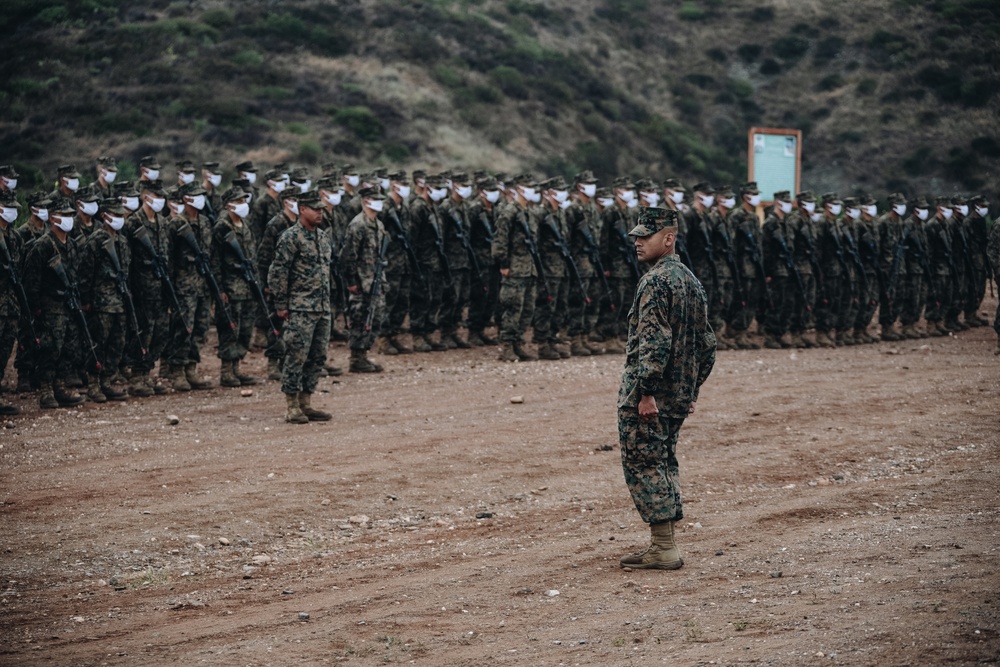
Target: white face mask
[
  {"x": 809, "y": 206},
  {"x": 870, "y": 210},
  {"x": 331, "y": 198},
  {"x": 706, "y": 200},
  {"x": 11, "y": 183},
  {"x": 214, "y": 180},
  {"x": 560, "y": 195},
  {"x": 464, "y": 191},
  {"x": 151, "y": 174},
  {"x": 176, "y": 208},
  {"x": 633, "y": 203},
  {"x": 900, "y": 209},
  {"x": 963, "y": 209},
  {"x": 292, "y": 206},
  {"x": 41, "y": 213},
  {"x": 185, "y": 177},
  {"x": 304, "y": 187},
  {"x": 72, "y": 184},
  {"x": 835, "y": 209},
  {"x": 528, "y": 193},
  {"x": 353, "y": 180},
  {"x": 921, "y": 213},
  {"x": 628, "y": 196},
  {"x": 982, "y": 211},
  {"x": 816, "y": 217},
  {"x": 384, "y": 184},
  {"x": 403, "y": 191},
  {"x": 786, "y": 207},
  {"x": 437, "y": 194},
  {"x": 64, "y": 222},
  {"x": 588, "y": 189},
  {"x": 945, "y": 213},
  {"x": 565, "y": 205},
  {"x": 88, "y": 207},
  {"x": 277, "y": 186},
  {"x": 250, "y": 176},
  {"x": 675, "y": 197},
  {"x": 854, "y": 213},
  {"x": 241, "y": 210},
  {"x": 116, "y": 222},
  {"x": 197, "y": 202},
  {"x": 605, "y": 203},
  {"x": 728, "y": 203},
  {"x": 375, "y": 204},
  {"x": 8, "y": 214},
  {"x": 131, "y": 203},
  {"x": 492, "y": 196},
  {"x": 753, "y": 200},
  {"x": 536, "y": 198},
  {"x": 109, "y": 176},
  {"x": 652, "y": 198},
  {"x": 156, "y": 203}
]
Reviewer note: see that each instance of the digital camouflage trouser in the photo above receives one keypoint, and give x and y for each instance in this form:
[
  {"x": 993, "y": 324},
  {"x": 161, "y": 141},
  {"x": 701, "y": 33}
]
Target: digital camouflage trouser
[
  {"x": 517, "y": 307},
  {"x": 305, "y": 337},
  {"x": 649, "y": 461}
]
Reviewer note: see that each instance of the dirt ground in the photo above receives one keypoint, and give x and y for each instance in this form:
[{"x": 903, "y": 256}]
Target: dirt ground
[{"x": 841, "y": 508}]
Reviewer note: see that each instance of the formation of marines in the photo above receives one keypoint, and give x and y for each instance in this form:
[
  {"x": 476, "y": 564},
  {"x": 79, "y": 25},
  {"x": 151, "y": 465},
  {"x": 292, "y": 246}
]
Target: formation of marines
[{"x": 102, "y": 282}]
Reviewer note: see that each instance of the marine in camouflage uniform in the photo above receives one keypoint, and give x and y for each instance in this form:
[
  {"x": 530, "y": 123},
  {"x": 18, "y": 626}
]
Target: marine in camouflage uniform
[
  {"x": 299, "y": 280},
  {"x": 802, "y": 234},
  {"x": 962, "y": 258},
  {"x": 514, "y": 237},
  {"x": 266, "y": 243},
  {"x": 263, "y": 208},
  {"x": 228, "y": 271},
  {"x": 148, "y": 290},
  {"x": 484, "y": 290},
  {"x": 99, "y": 279},
  {"x": 976, "y": 229},
  {"x": 852, "y": 270},
  {"x": 743, "y": 225},
  {"x": 615, "y": 249},
  {"x": 87, "y": 202},
  {"x": 670, "y": 353},
  {"x": 10, "y": 310},
  {"x": 211, "y": 180},
  {"x": 335, "y": 220},
  {"x": 184, "y": 350},
  {"x": 993, "y": 255},
  {"x": 725, "y": 265},
  {"x": 428, "y": 244},
  {"x": 583, "y": 224},
  {"x": 917, "y": 293},
  {"x": 552, "y": 300},
  {"x": 778, "y": 246},
  {"x": 57, "y": 358},
  {"x": 454, "y": 216},
  {"x": 33, "y": 229},
  {"x": 363, "y": 258},
  {"x": 399, "y": 270},
  {"x": 941, "y": 258},
  {"x": 868, "y": 246},
  {"x": 892, "y": 264},
  {"x": 830, "y": 303}
]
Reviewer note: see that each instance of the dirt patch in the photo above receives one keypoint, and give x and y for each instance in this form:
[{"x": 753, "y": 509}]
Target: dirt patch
[{"x": 840, "y": 508}]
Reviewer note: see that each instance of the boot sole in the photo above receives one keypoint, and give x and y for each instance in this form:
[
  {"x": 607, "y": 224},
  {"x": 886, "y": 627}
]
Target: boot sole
[{"x": 672, "y": 565}]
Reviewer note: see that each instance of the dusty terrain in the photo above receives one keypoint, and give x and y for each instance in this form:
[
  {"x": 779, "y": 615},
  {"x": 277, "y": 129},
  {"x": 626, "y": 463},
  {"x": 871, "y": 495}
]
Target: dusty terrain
[{"x": 841, "y": 508}]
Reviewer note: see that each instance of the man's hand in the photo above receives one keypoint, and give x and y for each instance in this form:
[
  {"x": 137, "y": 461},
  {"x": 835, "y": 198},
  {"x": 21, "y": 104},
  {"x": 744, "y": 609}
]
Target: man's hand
[
  {"x": 283, "y": 314},
  {"x": 691, "y": 408},
  {"x": 224, "y": 297},
  {"x": 505, "y": 273},
  {"x": 647, "y": 408}
]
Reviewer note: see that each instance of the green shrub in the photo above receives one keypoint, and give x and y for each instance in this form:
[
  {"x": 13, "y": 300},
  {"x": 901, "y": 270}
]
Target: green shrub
[
  {"x": 770, "y": 67},
  {"x": 360, "y": 120},
  {"x": 850, "y": 137},
  {"x": 867, "y": 86},
  {"x": 749, "y": 52},
  {"x": 218, "y": 18},
  {"x": 296, "y": 127},
  {"x": 790, "y": 48},
  {"x": 53, "y": 15},
  {"x": 510, "y": 81},
  {"x": 310, "y": 151},
  {"x": 741, "y": 88},
  {"x": 717, "y": 54},
  {"x": 396, "y": 152},
  {"x": 828, "y": 49},
  {"x": 986, "y": 146},
  {"x": 449, "y": 76},
  {"x": 248, "y": 58},
  {"x": 276, "y": 93},
  {"x": 690, "y": 11},
  {"x": 830, "y": 82},
  {"x": 762, "y": 14},
  {"x": 916, "y": 162}
]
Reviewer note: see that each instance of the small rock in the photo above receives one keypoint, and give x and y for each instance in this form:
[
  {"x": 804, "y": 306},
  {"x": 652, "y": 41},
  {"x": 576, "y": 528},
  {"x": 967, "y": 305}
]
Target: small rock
[
  {"x": 776, "y": 574},
  {"x": 199, "y": 546},
  {"x": 78, "y": 619},
  {"x": 552, "y": 593},
  {"x": 517, "y": 400},
  {"x": 173, "y": 420},
  {"x": 288, "y": 592},
  {"x": 484, "y": 515},
  {"x": 358, "y": 519},
  {"x": 223, "y": 541},
  {"x": 246, "y": 392},
  {"x": 719, "y": 553},
  {"x": 263, "y": 559},
  {"x": 697, "y": 524},
  {"x": 303, "y": 616},
  {"x": 604, "y": 448},
  {"x": 325, "y": 502}
]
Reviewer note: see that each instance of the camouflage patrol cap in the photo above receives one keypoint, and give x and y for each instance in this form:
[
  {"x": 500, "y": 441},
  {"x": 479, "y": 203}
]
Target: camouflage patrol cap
[
  {"x": 281, "y": 167},
  {"x": 675, "y": 185},
  {"x": 300, "y": 175},
  {"x": 381, "y": 172},
  {"x": 488, "y": 183},
  {"x": 868, "y": 199},
  {"x": 603, "y": 193},
  {"x": 942, "y": 201},
  {"x": 749, "y": 188},
  {"x": 185, "y": 166},
  {"x": 979, "y": 200},
  {"x": 446, "y": 174},
  {"x": 897, "y": 198},
  {"x": 622, "y": 183},
  {"x": 113, "y": 206},
  {"x": 211, "y": 167},
  {"x": 289, "y": 193},
  {"x": 149, "y": 162},
  {"x": 431, "y": 180},
  {"x": 370, "y": 193},
  {"x": 502, "y": 177},
  {"x": 783, "y": 195},
  {"x": 831, "y": 198},
  {"x": 243, "y": 183},
  {"x": 234, "y": 193},
  {"x": 850, "y": 202},
  {"x": 39, "y": 200},
  {"x": 652, "y": 220},
  {"x": 125, "y": 189},
  {"x": 523, "y": 179},
  {"x": 645, "y": 185},
  {"x": 246, "y": 167},
  {"x": 725, "y": 192},
  {"x": 8, "y": 171},
  {"x": 805, "y": 196},
  {"x": 311, "y": 199},
  {"x": 328, "y": 183},
  {"x": 175, "y": 196},
  {"x": 328, "y": 169},
  {"x": 349, "y": 170},
  {"x": 419, "y": 174},
  {"x": 479, "y": 174},
  {"x": 9, "y": 199},
  {"x": 959, "y": 200},
  {"x": 919, "y": 202},
  {"x": 704, "y": 188},
  {"x": 459, "y": 177},
  {"x": 87, "y": 194},
  {"x": 586, "y": 176},
  {"x": 399, "y": 176},
  {"x": 108, "y": 163},
  {"x": 192, "y": 190},
  {"x": 274, "y": 174},
  {"x": 68, "y": 171},
  {"x": 62, "y": 205},
  {"x": 155, "y": 187},
  {"x": 554, "y": 183}
]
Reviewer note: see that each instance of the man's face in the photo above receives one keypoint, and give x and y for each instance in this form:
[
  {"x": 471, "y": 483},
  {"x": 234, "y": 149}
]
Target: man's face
[
  {"x": 651, "y": 248},
  {"x": 310, "y": 217}
]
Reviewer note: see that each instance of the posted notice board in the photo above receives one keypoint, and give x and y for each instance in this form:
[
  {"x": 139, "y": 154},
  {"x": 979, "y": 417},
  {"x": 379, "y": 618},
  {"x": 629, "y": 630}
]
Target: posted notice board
[{"x": 775, "y": 160}]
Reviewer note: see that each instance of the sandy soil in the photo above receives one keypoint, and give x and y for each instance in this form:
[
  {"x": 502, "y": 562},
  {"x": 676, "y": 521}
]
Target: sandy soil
[{"x": 841, "y": 508}]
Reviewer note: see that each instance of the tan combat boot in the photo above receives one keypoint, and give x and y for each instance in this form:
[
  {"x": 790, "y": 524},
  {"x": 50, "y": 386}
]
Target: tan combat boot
[
  {"x": 46, "y": 397},
  {"x": 507, "y": 352},
  {"x": 997, "y": 351},
  {"x": 771, "y": 342},
  {"x": 191, "y": 375},
  {"x": 305, "y": 404},
  {"x": 94, "y": 392},
  {"x": 662, "y": 553},
  {"x": 177, "y": 379},
  {"x": 245, "y": 380},
  {"x": 548, "y": 351},
  {"x": 139, "y": 385},
  {"x": 227, "y": 377},
  {"x": 360, "y": 363},
  {"x": 523, "y": 353},
  {"x": 274, "y": 369},
  {"x": 614, "y": 346},
  {"x": 578, "y": 348},
  {"x": 65, "y": 396},
  {"x": 293, "y": 415}
]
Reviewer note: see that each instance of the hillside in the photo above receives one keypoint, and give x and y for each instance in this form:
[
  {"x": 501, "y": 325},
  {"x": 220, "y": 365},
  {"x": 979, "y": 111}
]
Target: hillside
[{"x": 890, "y": 94}]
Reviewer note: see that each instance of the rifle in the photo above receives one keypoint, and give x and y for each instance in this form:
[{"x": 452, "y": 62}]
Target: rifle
[
  {"x": 758, "y": 263},
  {"x": 560, "y": 244},
  {"x": 463, "y": 239},
  {"x": 439, "y": 246},
  {"x": 485, "y": 222},
  {"x": 682, "y": 250},
  {"x": 533, "y": 251},
  {"x": 594, "y": 253},
  {"x": 376, "y": 283},
  {"x": 710, "y": 253},
  {"x": 727, "y": 250},
  {"x": 141, "y": 235},
  {"x": 22, "y": 297},
  {"x": 338, "y": 278},
  {"x": 250, "y": 276},
  {"x": 205, "y": 271},
  {"x": 920, "y": 253},
  {"x": 121, "y": 286},
  {"x": 852, "y": 251},
  {"x": 404, "y": 240},
  {"x": 897, "y": 261},
  {"x": 628, "y": 251},
  {"x": 873, "y": 254},
  {"x": 73, "y": 306},
  {"x": 786, "y": 255}
]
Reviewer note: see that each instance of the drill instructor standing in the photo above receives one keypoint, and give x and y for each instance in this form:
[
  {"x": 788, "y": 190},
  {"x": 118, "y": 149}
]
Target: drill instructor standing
[{"x": 670, "y": 353}]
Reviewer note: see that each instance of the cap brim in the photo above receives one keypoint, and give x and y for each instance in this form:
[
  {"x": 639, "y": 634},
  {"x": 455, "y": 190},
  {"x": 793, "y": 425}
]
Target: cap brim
[{"x": 642, "y": 230}]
